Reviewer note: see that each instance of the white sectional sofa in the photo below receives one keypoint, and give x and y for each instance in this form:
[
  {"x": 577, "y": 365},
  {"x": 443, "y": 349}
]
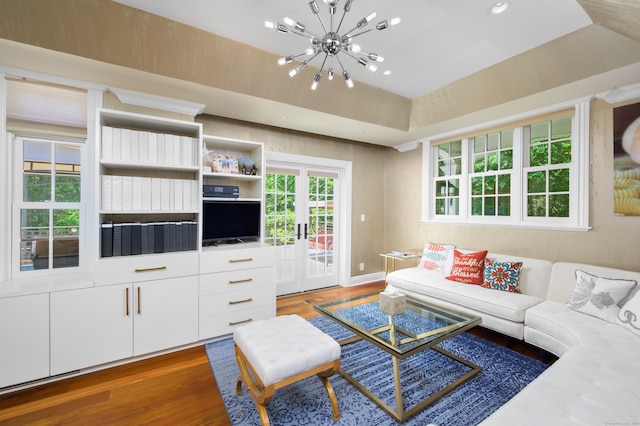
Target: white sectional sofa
[
  {"x": 596, "y": 379},
  {"x": 501, "y": 311}
]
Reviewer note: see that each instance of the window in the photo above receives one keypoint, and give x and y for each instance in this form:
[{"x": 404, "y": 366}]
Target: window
[
  {"x": 46, "y": 163},
  {"x": 531, "y": 175},
  {"x": 48, "y": 202}
]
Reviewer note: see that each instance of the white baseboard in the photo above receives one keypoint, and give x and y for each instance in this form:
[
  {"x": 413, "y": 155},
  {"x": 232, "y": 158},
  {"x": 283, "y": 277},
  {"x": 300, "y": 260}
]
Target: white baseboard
[{"x": 365, "y": 279}]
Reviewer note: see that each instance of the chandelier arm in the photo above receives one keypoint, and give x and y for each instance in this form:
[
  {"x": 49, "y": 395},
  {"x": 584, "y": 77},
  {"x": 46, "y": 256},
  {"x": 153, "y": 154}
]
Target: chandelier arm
[
  {"x": 344, "y": 13},
  {"x": 346, "y": 52},
  {"x": 321, "y": 22},
  {"x": 326, "y": 55},
  {"x": 302, "y": 34},
  {"x": 360, "y": 33},
  {"x": 340, "y": 62}
]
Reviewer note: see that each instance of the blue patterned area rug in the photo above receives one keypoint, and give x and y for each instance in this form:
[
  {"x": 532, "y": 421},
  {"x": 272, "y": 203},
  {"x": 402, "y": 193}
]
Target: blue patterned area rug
[{"x": 504, "y": 374}]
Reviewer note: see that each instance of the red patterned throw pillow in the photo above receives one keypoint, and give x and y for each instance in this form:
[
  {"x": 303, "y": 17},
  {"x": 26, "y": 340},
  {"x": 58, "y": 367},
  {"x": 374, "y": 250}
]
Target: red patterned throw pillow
[
  {"x": 503, "y": 276},
  {"x": 468, "y": 268}
]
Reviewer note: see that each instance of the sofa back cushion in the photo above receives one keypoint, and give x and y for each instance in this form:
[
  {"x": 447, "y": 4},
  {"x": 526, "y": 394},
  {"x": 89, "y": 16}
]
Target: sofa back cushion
[{"x": 563, "y": 278}]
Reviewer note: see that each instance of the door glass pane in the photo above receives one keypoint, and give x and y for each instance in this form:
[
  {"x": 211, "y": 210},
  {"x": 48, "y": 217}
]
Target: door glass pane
[
  {"x": 320, "y": 226},
  {"x": 37, "y": 171},
  {"x": 280, "y": 222}
]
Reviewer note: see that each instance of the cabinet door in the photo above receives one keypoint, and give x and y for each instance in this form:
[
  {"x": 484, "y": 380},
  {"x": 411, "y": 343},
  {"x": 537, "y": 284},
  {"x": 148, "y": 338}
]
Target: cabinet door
[
  {"x": 90, "y": 326},
  {"x": 166, "y": 314},
  {"x": 24, "y": 333}
]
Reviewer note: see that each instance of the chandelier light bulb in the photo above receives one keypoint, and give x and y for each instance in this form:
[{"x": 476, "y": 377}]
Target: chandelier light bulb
[
  {"x": 395, "y": 21},
  {"x": 310, "y": 50},
  {"x": 347, "y": 79},
  {"x": 285, "y": 60},
  {"x": 371, "y": 17},
  {"x": 347, "y": 5},
  {"x": 316, "y": 80},
  {"x": 290, "y": 22},
  {"x": 330, "y": 73},
  {"x": 270, "y": 25},
  {"x": 355, "y": 48},
  {"x": 314, "y": 7},
  {"x": 376, "y": 57}
]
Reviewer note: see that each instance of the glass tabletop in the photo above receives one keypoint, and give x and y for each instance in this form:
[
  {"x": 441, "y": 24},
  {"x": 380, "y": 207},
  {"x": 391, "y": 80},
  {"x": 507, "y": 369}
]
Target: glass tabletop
[{"x": 421, "y": 325}]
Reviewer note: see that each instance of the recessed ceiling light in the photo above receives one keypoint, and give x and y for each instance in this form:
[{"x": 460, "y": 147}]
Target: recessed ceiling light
[{"x": 499, "y": 7}]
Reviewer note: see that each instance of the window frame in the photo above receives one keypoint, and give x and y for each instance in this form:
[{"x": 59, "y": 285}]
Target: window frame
[
  {"x": 16, "y": 140},
  {"x": 578, "y": 219}
]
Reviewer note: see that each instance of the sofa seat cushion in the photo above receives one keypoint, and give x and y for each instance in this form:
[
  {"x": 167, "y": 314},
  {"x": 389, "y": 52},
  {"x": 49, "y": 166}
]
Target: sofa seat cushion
[
  {"x": 575, "y": 328},
  {"x": 501, "y": 304},
  {"x": 583, "y": 387}
]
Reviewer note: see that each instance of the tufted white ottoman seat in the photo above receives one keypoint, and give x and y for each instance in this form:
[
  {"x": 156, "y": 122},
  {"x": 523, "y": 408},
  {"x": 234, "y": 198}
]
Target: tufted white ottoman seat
[{"x": 282, "y": 350}]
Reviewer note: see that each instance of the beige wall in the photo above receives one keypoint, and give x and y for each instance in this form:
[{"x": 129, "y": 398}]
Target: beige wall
[
  {"x": 367, "y": 177},
  {"x": 613, "y": 241}
]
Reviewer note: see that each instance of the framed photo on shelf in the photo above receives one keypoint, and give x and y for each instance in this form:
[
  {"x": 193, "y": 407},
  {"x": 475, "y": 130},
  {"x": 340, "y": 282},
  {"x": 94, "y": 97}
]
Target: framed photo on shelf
[{"x": 224, "y": 164}]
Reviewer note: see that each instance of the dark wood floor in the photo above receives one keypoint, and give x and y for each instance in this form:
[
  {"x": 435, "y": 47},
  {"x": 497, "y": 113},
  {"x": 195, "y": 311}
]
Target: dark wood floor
[{"x": 177, "y": 388}]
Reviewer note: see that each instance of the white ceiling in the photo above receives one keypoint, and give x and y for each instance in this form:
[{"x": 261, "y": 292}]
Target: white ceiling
[{"x": 437, "y": 42}]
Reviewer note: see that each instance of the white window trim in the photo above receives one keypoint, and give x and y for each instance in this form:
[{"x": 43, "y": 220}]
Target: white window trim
[
  {"x": 19, "y": 204},
  {"x": 579, "y": 220}
]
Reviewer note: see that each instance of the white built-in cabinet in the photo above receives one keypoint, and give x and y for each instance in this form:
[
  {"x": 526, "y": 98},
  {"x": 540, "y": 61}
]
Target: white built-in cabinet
[
  {"x": 25, "y": 338},
  {"x": 148, "y": 170},
  {"x": 90, "y": 326},
  {"x": 237, "y": 286},
  {"x": 102, "y": 324}
]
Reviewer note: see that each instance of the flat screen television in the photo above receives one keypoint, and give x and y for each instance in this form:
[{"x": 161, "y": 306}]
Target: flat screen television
[{"x": 230, "y": 221}]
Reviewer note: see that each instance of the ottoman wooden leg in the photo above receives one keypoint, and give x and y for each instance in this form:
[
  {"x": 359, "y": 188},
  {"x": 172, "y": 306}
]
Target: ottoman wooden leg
[
  {"x": 260, "y": 393},
  {"x": 324, "y": 377}
]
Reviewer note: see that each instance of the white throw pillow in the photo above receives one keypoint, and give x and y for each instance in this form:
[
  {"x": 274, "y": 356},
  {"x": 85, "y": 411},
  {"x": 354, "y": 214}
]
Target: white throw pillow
[
  {"x": 629, "y": 315},
  {"x": 434, "y": 256},
  {"x": 598, "y": 296}
]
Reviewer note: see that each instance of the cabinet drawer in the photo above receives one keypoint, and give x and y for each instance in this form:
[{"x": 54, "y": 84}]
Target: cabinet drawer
[
  {"x": 218, "y": 260},
  {"x": 216, "y": 304},
  {"x": 219, "y": 325},
  {"x": 237, "y": 280},
  {"x": 127, "y": 269}
]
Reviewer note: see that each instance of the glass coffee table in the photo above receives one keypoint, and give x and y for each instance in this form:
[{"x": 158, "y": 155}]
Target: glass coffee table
[{"x": 420, "y": 327}]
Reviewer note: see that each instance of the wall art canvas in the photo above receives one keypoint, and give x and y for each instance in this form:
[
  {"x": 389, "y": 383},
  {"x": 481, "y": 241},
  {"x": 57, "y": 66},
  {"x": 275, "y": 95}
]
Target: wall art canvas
[{"x": 626, "y": 160}]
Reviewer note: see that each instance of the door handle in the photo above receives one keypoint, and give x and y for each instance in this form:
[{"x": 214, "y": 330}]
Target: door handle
[
  {"x": 299, "y": 235},
  {"x": 306, "y": 232}
]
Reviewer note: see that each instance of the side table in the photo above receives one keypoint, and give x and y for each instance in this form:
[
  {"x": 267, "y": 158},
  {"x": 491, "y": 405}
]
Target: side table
[{"x": 393, "y": 256}]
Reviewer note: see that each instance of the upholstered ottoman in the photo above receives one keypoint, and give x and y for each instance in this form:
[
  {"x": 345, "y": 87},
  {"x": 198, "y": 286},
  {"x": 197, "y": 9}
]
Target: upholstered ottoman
[{"x": 279, "y": 351}]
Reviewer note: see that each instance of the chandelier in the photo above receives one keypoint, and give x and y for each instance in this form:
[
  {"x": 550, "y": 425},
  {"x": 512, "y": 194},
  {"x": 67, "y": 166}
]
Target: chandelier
[{"x": 332, "y": 44}]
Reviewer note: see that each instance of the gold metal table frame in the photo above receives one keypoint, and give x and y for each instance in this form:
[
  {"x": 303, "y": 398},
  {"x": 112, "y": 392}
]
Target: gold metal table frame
[{"x": 423, "y": 341}]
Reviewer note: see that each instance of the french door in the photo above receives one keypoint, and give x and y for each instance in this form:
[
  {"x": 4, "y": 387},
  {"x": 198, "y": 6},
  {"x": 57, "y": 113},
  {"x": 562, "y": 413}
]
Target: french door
[{"x": 301, "y": 221}]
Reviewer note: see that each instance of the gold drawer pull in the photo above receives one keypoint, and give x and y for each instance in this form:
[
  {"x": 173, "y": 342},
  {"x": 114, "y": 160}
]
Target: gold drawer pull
[
  {"x": 240, "y": 322},
  {"x": 248, "y": 259},
  {"x": 237, "y": 302},
  {"x": 240, "y": 281},
  {"x": 159, "y": 268}
]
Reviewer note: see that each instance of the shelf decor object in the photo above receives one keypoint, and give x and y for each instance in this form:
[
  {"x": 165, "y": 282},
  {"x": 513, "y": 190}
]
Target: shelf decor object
[
  {"x": 224, "y": 164},
  {"x": 331, "y": 44}
]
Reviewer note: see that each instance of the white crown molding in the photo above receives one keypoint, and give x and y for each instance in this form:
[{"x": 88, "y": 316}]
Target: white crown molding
[
  {"x": 407, "y": 146},
  {"x": 158, "y": 102},
  {"x": 619, "y": 94}
]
